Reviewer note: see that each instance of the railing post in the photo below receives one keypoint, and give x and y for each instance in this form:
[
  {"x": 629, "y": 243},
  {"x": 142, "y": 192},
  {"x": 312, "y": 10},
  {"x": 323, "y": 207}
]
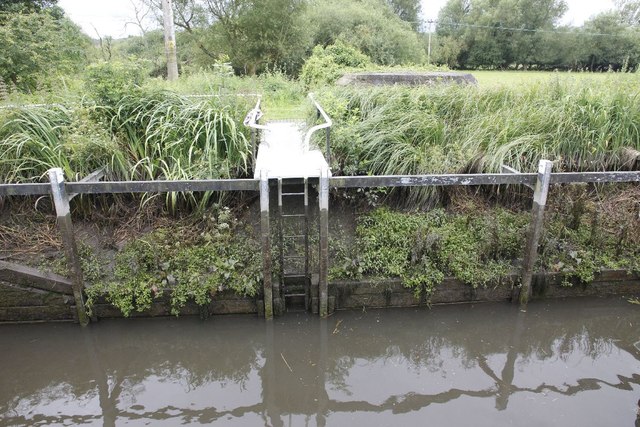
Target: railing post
[
  {"x": 328, "y": 137},
  {"x": 63, "y": 213},
  {"x": 253, "y": 146},
  {"x": 324, "y": 242},
  {"x": 266, "y": 245},
  {"x": 535, "y": 229}
]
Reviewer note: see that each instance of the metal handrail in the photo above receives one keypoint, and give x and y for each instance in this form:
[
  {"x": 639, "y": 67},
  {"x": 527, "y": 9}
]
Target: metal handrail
[
  {"x": 251, "y": 121},
  {"x": 253, "y": 116},
  {"x": 326, "y": 125}
]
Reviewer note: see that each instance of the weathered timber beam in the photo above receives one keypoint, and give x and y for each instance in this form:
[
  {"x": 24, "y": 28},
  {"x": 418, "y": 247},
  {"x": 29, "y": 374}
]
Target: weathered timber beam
[
  {"x": 163, "y": 186},
  {"x": 597, "y": 177},
  {"x": 323, "y": 198},
  {"x": 63, "y": 212},
  {"x": 32, "y": 278},
  {"x": 535, "y": 229},
  {"x": 425, "y": 180},
  {"x": 266, "y": 246},
  {"x": 94, "y": 176},
  {"x": 24, "y": 189},
  {"x": 528, "y": 179},
  {"x": 508, "y": 169}
]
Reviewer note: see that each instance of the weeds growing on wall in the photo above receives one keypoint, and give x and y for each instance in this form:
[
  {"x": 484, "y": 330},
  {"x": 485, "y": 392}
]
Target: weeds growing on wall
[
  {"x": 588, "y": 230},
  {"x": 422, "y": 248},
  {"x": 212, "y": 256}
]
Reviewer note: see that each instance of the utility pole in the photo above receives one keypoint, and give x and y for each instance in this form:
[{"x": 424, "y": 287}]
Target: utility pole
[
  {"x": 429, "y": 48},
  {"x": 170, "y": 40}
]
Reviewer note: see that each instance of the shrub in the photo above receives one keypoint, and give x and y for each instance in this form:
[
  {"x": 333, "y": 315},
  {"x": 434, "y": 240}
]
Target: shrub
[
  {"x": 326, "y": 65},
  {"x": 109, "y": 82}
]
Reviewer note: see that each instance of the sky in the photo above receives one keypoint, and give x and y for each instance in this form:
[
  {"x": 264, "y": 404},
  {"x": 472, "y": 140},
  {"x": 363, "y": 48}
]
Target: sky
[{"x": 114, "y": 17}]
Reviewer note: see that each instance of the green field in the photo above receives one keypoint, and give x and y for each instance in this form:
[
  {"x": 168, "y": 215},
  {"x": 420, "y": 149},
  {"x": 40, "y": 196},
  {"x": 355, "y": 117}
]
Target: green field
[{"x": 517, "y": 78}]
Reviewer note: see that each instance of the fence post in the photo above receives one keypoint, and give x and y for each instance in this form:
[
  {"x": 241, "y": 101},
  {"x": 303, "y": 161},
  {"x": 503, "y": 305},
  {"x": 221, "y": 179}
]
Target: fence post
[
  {"x": 535, "y": 228},
  {"x": 324, "y": 242},
  {"x": 266, "y": 245},
  {"x": 63, "y": 213}
]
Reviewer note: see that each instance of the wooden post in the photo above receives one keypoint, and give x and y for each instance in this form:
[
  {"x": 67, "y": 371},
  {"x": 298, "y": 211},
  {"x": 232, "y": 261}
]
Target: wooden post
[
  {"x": 266, "y": 245},
  {"x": 535, "y": 228},
  {"x": 324, "y": 242},
  {"x": 63, "y": 212},
  {"x": 170, "y": 40}
]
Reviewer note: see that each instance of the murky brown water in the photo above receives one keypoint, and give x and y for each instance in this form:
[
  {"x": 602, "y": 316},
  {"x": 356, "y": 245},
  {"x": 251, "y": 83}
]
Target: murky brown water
[{"x": 561, "y": 363}]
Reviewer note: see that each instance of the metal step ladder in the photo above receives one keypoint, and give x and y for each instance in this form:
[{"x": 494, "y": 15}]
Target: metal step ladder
[{"x": 293, "y": 225}]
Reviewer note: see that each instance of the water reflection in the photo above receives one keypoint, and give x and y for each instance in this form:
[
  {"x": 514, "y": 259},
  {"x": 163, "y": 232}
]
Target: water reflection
[{"x": 572, "y": 362}]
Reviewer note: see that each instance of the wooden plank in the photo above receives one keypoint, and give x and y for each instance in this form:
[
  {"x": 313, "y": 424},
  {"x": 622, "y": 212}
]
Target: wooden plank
[
  {"x": 33, "y": 278},
  {"x": 427, "y": 180},
  {"x": 508, "y": 169},
  {"x": 597, "y": 177},
  {"x": 163, "y": 186},
  {"x": 94, "y": 176},
  {"x": 36, "y": 189},
  {"x": 535, "y": 228},
  {"x": 324, "y": 241},
  {"x": 266, "y": 246},
  {"x": 31, "y": 189},
  {"x": 63, "y": 212}
]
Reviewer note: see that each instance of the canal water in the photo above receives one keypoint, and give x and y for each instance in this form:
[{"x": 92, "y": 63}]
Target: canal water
[{"x": 574, "y": 362}]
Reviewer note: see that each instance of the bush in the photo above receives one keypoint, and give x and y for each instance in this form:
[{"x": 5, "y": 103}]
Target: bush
[
  {"x": 370, "y": 26},
  {"x": 213, "y": 256},
  {"x": 109, "y": 82},
  {"x": 326, "y": 65}
]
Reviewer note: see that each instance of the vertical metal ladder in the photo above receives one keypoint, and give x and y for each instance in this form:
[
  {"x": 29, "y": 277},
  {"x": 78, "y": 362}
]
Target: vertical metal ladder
[{"x": 294, "y": 236}]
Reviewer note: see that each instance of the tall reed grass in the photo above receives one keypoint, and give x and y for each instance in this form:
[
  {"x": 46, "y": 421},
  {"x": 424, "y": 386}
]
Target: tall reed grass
[
  {"x": 145, "y": 136},
  {"x": 454, "y": 129}
]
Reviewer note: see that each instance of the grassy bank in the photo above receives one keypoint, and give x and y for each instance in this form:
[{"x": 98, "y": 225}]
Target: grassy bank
[{"x": 396, "y": 130}]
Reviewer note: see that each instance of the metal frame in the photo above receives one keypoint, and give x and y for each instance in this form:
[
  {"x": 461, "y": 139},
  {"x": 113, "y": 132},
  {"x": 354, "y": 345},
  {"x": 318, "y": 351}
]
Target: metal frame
[{"x": 326, "y": 125}]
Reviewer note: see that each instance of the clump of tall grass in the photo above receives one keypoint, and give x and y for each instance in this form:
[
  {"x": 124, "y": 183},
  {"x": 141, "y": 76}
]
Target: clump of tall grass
[
  {"x": 454, "y": 129},
  {"x": 35, "y": 139},
  {"x": 168, "y": 136},
  {"x": 144, "y": 136}
]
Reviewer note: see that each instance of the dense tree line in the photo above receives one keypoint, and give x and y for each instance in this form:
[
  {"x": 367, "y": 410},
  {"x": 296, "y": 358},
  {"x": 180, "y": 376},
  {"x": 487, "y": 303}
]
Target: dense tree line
[
  {"x": 257, "y": 35},
  {"x": 522, "y": 34}
]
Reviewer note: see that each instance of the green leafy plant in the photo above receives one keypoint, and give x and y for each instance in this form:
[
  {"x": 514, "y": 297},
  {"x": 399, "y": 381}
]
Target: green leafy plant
[
  {"x": 213, "y": 256},
  {"x": 423, "y": 248}
]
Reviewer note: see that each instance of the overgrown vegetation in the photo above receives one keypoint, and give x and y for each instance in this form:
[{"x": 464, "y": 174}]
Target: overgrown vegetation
[
  {"x": 137, "y": 132},
  {"x": 396, "y": 131},
  {"x": 477, "y": 248},
  {"x": 211, "y": 256},
  {"x": 586, "y": 230}
]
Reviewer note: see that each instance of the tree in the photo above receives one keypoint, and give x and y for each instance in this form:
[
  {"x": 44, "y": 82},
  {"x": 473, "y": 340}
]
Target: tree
[
  {"x": 497, "y": 33},
  {"x": 368, "y": 25},
  {"x": 36, "y": 46},
  {"x": 407, "y": 10},
  {"x": 629, "y": 11},
  {"x": 28, "y": 6},
  {"x": 608, "y": 43}
]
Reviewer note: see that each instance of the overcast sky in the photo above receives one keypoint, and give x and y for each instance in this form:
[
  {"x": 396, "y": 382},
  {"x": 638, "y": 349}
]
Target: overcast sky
[{"x": 110, "y": 17}]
